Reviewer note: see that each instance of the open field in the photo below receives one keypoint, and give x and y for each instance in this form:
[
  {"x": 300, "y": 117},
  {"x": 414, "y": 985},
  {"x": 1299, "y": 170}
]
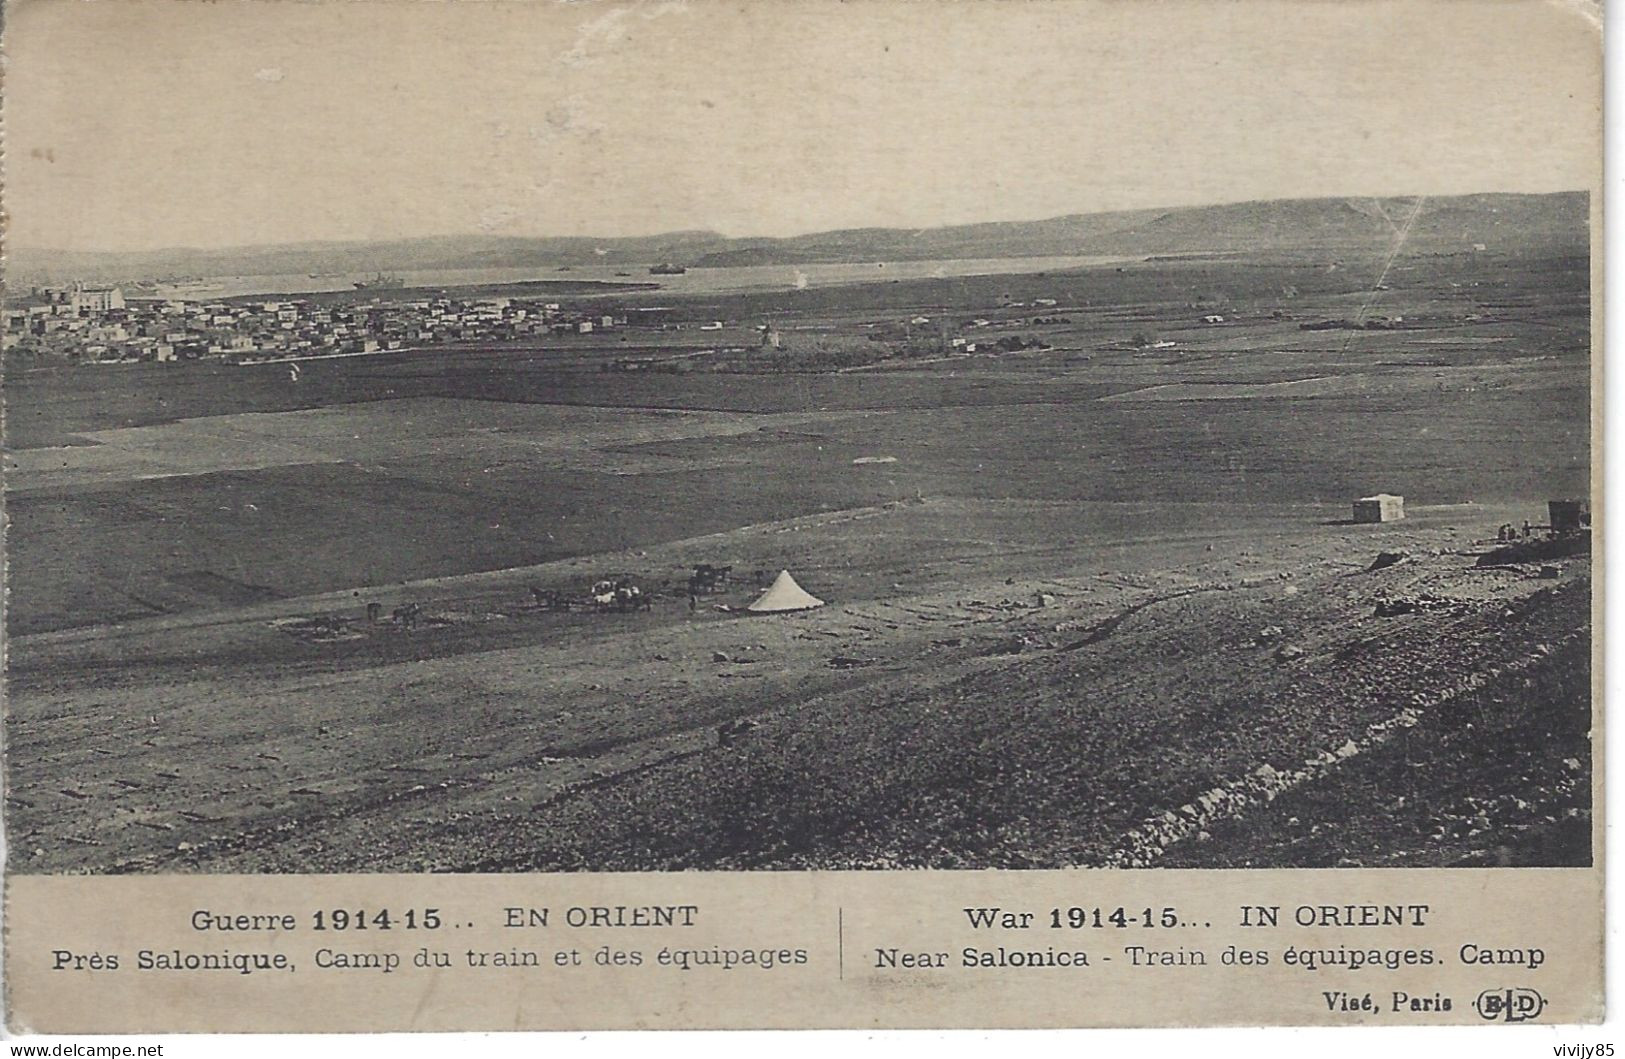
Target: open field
[{"x": 1050, "y": 612}]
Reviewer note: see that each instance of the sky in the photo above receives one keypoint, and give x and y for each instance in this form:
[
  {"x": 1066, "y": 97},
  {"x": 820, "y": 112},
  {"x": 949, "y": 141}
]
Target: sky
[{"x": 144, "y": 124}]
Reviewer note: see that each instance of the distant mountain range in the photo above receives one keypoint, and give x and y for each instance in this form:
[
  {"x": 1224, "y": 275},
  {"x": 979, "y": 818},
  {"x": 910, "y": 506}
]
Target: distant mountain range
[{"x": 1341, "y": 225}]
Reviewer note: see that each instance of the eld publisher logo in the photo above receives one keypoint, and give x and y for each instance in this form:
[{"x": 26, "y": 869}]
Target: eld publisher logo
[{"x": 1509, "y": 1005}]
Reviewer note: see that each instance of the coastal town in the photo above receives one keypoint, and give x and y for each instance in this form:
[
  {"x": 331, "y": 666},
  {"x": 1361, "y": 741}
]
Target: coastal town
[
  {"x": 83, "y": 324},
  {"x": 102, "y": 325}
]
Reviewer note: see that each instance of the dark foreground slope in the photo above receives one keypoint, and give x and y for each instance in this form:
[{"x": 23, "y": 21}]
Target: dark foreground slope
[
  {"x": 1429, "y": 739},
  {"x": 1500, "y": 777}
]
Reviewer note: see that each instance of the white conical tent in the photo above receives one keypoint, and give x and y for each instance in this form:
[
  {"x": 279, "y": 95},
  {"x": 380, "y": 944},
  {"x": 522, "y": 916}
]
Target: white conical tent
[{"x": 784, "y": 595}]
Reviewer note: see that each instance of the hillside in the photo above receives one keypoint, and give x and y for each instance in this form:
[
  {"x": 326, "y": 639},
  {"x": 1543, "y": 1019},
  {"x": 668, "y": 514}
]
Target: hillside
[{"x": 1500, "y": 221}]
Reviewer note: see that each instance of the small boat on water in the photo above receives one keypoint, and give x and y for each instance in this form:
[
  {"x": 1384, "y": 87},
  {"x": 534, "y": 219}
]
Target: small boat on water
[
  {"x": 189, "y": 288},
  {"x": 380, "y": 282}
]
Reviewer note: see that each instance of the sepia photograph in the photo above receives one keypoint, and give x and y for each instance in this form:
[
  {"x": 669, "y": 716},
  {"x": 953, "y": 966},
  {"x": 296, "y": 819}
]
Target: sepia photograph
[{"x": 683, "y": 435}]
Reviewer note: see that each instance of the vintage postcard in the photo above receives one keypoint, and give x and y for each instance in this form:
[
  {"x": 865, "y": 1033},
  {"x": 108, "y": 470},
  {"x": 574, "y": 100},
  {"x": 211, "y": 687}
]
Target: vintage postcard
[{"x": 530, "y": 515}]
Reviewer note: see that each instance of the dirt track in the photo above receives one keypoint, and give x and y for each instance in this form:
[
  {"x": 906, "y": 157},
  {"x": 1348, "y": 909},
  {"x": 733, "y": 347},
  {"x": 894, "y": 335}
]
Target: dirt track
[{"x": 1049, "y": 706}]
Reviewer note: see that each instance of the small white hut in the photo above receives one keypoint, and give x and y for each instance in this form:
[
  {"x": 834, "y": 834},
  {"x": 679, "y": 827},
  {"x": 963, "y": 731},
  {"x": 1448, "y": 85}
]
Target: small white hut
[{"x": 1384, "y": 507}]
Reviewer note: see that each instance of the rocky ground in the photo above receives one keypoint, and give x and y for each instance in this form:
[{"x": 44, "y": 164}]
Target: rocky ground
[{"x": 1240, "y": 695}]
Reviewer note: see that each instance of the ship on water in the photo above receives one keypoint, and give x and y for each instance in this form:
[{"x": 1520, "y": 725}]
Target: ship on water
[
  {"x": 380, "y": 282},
  {"x": 666, "y": 269},
  {"x": 183, "y": 289}
]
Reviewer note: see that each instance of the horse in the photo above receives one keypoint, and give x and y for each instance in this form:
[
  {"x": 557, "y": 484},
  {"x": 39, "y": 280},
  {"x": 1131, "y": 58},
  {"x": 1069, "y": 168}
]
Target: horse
[{"x": 709, "y": 578}]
